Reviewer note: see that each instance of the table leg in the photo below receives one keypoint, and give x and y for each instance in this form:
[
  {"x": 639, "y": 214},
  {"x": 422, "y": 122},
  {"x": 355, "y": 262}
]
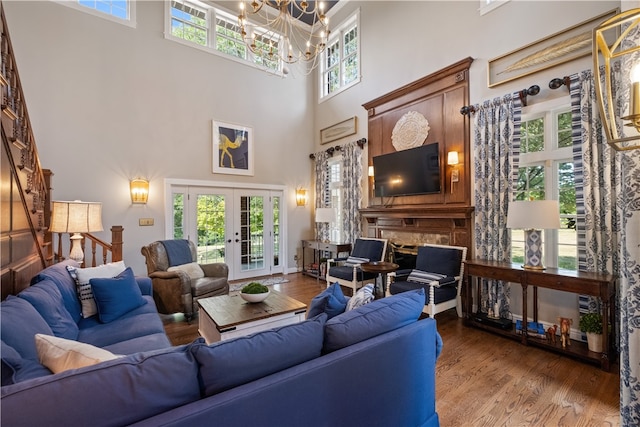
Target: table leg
[{"x": 524, "y": 313}]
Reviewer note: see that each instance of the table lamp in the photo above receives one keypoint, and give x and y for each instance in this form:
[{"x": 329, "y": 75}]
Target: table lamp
[
  {"x": 532, "y": 217},
  {"x": 76, "y": 217},
  {"x": 325, "y": 215}
]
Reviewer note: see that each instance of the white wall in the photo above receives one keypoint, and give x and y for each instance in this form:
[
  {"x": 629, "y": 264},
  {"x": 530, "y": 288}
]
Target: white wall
[{"x": 109, "y": 103}]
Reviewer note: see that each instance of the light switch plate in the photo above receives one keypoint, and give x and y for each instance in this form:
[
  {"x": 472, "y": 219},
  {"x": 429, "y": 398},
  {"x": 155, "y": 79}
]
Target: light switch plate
[{"x": 145, "y": 221}]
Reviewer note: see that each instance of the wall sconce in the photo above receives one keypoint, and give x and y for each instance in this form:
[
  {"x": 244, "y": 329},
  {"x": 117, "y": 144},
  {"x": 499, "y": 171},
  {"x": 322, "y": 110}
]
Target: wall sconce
[
  {"x": 139, "y": 191},
  {"x": 371, "y": 171},
  {"x": 608, "y": 49},
  {"x": 301, "y": 197},
  {"x": 452, "y": 160}
]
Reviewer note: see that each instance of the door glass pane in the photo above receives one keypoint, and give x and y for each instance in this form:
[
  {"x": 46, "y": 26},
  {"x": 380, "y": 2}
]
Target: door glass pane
[
  {"x": 276, "y": 231},
  {"x": 251, "y": 233},
  {"x": 210, "y": 228},
  {"x": 178, "y": 215}
]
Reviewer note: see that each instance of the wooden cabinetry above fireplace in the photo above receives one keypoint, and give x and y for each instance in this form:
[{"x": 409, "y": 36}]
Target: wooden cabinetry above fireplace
[{"x": 446, "y": 216}]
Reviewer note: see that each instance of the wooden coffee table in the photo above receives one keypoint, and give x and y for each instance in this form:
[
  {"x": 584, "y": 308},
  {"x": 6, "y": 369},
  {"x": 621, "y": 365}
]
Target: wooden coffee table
[{"x": 229, "y": 316}]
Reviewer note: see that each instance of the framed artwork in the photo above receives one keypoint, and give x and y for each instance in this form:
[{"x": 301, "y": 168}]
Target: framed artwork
[
  {"x": 232, "y": 148},
  {"x": 564, "y": 46},
  {"x": 339, "y": 130}
]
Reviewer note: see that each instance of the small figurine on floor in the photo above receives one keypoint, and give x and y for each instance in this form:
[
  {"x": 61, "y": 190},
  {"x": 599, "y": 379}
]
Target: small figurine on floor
[
  {"x": 565, "y": 330},
  {"x": 551, "y": 334}
]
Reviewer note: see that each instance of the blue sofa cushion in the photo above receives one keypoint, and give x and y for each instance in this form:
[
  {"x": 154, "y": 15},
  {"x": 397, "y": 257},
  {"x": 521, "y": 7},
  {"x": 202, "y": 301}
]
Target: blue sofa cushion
[
  {"x": 20, "y": 322},
  {"x": 370, "y": 320},
  {"x": 46, "y": 298},
  {"x": 16, "y": 369},
  {"x": 66, "y": 285},
  {"x": 116, "y": 296},
  {"x": 140, "y": 322},
  {"x": 228, "y": 364},
  {"x": 116, "y": 392},
  {"x": 445, "y": 261},
  {"x": 331, "y": 301}
]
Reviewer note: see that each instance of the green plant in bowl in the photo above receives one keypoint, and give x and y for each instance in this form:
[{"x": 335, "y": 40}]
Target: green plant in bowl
[{"x": 254, "y": 288}]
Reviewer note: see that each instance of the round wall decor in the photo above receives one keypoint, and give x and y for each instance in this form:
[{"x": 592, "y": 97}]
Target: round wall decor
[{"x": 410, "y": 131}]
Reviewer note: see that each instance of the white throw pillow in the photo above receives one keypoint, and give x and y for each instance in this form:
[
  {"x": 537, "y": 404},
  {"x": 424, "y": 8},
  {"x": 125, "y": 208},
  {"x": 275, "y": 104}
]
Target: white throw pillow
[
  {"x": 363, "y": 296},
  {"x": 84, "y": 275},
  {"x": 59, "y": 354},
  {"x": 192, "y": 269}
]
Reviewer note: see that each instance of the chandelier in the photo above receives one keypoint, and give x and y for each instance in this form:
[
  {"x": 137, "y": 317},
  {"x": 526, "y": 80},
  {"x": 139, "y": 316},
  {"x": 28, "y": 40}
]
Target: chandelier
[{"x": 281, "y": 35}]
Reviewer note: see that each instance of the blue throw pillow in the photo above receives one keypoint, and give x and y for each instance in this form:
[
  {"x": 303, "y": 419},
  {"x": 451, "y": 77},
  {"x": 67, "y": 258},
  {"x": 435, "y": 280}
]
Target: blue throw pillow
[
  {"x": 331, "y": 301},
  {"x": 373, "y": 319},
  {"x": 20, "y": 324},
  {"x": 116, "y": 296},
  {"x": 47, "y": 300},
  {"x": 231, "y": 363}
]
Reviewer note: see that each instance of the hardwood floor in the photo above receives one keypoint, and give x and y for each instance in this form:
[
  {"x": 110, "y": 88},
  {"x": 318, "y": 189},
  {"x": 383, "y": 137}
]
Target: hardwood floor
[{"x": 483, "y": 379}]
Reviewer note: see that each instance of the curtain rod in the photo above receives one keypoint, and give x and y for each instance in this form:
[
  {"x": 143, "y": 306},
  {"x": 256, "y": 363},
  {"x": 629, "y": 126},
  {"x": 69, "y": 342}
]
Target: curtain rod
[
  {"x": 467, "y": 110},
  {"x": 332, "y": 150},
  {"x": 559, "y": 82}
]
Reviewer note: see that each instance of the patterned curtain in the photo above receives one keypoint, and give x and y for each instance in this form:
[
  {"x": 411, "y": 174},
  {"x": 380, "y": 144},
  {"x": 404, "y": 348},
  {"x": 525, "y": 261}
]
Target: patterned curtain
[
  {"x": 351, "y": 191},
  {"x": 497, "y": 147},
  {"x": 608, "y": 200},
  {"x": 323, "y": 195}
]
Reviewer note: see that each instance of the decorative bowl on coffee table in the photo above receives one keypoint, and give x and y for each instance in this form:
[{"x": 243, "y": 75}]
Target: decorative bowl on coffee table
[{"x": 255, "y": 297}]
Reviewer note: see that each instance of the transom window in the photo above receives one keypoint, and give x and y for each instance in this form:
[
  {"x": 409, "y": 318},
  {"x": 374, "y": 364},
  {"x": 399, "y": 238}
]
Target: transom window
[
  {"x": 120, "y": 11},
  {"x": 340, "y": 66},
  {"x": 217, "y": 31},
  {"x": 546, "y": 172}
]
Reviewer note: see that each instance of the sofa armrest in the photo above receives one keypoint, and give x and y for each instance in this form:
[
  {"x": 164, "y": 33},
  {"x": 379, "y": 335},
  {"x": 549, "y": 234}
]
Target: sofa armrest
[
  {"x": 216, "y": 269},
  {"x": 145, "y": 284}
]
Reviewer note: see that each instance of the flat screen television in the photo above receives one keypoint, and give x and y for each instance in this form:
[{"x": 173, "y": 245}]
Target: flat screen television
[{"x": 407, "y": 172}]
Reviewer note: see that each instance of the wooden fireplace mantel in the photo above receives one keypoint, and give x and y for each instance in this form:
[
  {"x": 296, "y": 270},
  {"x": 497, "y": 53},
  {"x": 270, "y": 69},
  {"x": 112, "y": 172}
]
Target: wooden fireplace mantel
[{"x": 449, "y": 225}]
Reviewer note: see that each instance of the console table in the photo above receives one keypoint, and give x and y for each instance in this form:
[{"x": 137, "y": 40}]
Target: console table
[
  {"x": 317, "y": 246},
  {"x": 578, "y": 282}
]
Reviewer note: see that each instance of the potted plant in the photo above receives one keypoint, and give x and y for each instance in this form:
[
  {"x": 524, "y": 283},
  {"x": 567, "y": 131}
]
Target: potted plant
[{"x": 591, "y": 323}]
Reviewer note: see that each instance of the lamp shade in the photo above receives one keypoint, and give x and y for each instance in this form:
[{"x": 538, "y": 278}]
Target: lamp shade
[
  {"x": 534, "y": 215},
  {"x": 452, "y": 158},
  {"x": 325, "y": 215},
  {"x": 139, "y": 190},
  {"x": 76, "y": 217}
]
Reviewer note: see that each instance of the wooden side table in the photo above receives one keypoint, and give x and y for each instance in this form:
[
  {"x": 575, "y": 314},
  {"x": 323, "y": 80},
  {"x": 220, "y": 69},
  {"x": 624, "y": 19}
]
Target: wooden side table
[
  {"x": 317, "y": 246},
  {"x": 380, "y": 267}
]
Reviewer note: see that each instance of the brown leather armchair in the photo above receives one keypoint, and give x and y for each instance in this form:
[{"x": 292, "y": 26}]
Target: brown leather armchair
[{"x": 175, "y": 291}]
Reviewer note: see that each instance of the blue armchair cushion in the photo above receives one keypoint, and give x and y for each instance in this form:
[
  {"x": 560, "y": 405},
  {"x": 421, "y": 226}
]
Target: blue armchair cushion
[
  {"x": 330, "y": 301},
  {"x": 46, "y": 298},
  {"x": 446, "y": 261},
  {"x": 20, "y": 322},
  {"x": 373, "y": 319},
  {"x": 116, "y": 296},
  {"x": 441, "y": 294},
  {"x": 346, "y": 273},
  {"x": 230, "y": 363},
  {"x": 368, "y": 249}
]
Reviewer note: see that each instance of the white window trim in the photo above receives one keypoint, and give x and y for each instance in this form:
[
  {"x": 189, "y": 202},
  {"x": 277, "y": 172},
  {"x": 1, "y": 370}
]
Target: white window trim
[
  {"x": 487, "y": 6},
  {"x": 131, "y": 22},
  {"x": 211, "y": 38},
  {"x": 338, "y": 32}
]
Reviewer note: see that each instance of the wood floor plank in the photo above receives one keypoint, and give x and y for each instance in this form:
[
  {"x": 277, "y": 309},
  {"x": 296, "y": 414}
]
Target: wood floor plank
[{"x": 483, "y": 379}]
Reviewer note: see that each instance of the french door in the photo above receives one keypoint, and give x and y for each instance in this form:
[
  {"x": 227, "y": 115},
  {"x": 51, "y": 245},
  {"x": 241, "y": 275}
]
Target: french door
[{"x": 240, "y": 227}]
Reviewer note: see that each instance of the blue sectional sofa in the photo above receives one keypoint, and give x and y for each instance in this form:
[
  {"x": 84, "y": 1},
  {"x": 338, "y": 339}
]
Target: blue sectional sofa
[{"x": 374, "y": 365}]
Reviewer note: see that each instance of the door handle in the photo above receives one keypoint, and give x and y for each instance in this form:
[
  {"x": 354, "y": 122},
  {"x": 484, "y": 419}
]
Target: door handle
[
  {"x": 237, "y": 240},
  {"x": 229, "y": 241}
]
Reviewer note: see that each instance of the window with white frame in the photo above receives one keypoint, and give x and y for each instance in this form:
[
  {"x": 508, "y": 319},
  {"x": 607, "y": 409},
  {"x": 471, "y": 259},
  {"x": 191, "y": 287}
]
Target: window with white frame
[
  {"x": 340, "y": 66},
  {"x": 335, "y": 196},
  {"x": 217, "y": 31},
  {"x": 545, "y": 171},
  {"x": 120, "y": 11}
]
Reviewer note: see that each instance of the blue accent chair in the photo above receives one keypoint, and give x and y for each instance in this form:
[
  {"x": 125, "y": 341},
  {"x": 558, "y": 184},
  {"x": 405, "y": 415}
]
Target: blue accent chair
[{"x": 347, "y": 271}]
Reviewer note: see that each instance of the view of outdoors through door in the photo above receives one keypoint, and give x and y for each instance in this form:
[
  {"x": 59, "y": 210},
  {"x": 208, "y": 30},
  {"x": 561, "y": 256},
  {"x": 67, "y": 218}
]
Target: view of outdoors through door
[{"x": 238, "y": 227}]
